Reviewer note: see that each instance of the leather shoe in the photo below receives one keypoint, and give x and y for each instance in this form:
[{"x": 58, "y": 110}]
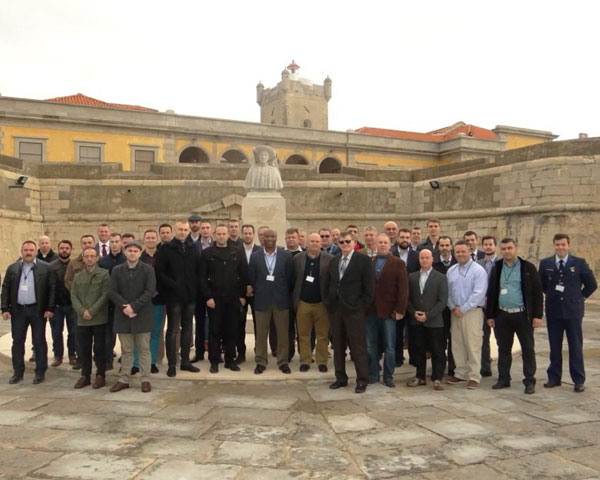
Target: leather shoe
[
  {"x": 99, "y": 382},
  {"x": 189, "y": 368},
  {"x": 529, "y": 388},
  {"x": 233, "y": 367},
  {"x": 486, "y": 373},
  {"x": 146, "y": 387},
  {"x": 389, "y": 382},
  {"x": 197, "y": 358},
  {"x": 171, "y": 372},
  {"x": 452, "y": 380},
  {"x": 338, "y": 384},
  {"x": 117, "y": 387},
  {"x": 72, "y": 359},
  {"x": 552, "y": 383},
  {"x": 56, "y": 362},
  {"x": 32, "y": 358},
  {"x": 259, "y": 369},
  {"x": 285, "y": 368},
  {"x": 134, "y": 370},
  {"x": 82, "y": 382},
  {"x": 214, "y": 368},
  {"x": 360, "y": 388},
  {"x": 323, "y": 368},
  {"x": 579, "y": 388},
  {"x": 499, "y": 384},
  {"x": 304, "y": 367},
  {"x": 153, "y": 368},
  {"x": 240, "y": 359},
  {"x": 15, "y": 379},
  {"x": 38, "y": 378}
]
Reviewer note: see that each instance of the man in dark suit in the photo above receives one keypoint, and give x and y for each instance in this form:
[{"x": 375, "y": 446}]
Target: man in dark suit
[
  {"x": 488, "y": 244},
  {"x": 28, "y": 299},
  {"x": 386, "y": 310},
  {"x": 567, "y": 281},
  {"x": 45, "y": 252},
  {"x": 178, "y": 273},
  {"x": 350, "y": 285},
  {"x": 471, "y": 238},
  {"x": 249, "y": 247},
  {"x": 444, "y": 260},
  {"x": 310, "y": 269},
  {"x": 428, "y": 297},
  {"x": 271, "y": 273},
  {"x": 411, "y": 260},
  {"x": 514, "y": 306}
]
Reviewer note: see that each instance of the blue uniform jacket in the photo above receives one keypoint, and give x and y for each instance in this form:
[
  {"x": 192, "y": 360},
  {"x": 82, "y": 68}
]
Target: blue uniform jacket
[{"x": 578, "y": 280}]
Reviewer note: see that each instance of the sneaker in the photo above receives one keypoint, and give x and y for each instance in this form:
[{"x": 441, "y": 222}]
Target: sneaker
[
  {"x": 416, "y": 382},
  {"x": 437, "y": 385}
]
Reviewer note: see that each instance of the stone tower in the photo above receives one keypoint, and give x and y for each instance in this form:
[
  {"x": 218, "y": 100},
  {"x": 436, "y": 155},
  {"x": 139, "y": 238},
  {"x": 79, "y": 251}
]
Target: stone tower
[{"x": 295, "y": 101}]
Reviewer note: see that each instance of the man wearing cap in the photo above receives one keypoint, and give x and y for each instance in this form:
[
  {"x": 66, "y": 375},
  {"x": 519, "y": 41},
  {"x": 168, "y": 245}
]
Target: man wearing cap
[{"x": 132, "y": 286}]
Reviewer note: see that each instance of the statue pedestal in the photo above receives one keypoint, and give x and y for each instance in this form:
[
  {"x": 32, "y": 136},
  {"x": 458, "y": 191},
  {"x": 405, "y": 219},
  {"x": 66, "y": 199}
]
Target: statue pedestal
[{"x": 266, "y": 208}]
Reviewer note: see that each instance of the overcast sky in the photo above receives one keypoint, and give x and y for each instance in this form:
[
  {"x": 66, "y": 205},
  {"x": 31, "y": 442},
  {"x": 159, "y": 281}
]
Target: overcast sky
[{"x": 407, "y": 65}]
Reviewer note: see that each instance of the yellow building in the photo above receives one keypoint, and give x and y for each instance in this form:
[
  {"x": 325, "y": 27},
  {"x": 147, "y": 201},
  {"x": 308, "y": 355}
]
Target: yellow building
[{"x": 78, "y": 128}]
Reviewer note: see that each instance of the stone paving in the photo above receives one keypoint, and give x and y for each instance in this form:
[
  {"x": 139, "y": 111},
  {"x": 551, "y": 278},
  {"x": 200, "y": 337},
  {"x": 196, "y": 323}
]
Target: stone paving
[{"x": 300, "y": 429}]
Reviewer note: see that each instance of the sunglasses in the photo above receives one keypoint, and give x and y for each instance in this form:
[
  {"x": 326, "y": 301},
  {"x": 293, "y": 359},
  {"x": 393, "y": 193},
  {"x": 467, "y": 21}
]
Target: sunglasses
[{"x": 342, "y": 242}]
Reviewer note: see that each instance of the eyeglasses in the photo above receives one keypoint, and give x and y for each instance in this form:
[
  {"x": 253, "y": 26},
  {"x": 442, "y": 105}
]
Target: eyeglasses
[
  {"x": 342, "y": 242},
  {"x": 325, "y": 236}
]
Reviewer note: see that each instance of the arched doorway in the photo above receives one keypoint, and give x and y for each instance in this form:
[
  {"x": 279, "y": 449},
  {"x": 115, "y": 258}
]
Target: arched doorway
[
  {"x": 296, "y": 160},
  {"x": 193, "y": 155},
  {"x": 330, "y": 165},
  {"x": 234, "y": 156}
]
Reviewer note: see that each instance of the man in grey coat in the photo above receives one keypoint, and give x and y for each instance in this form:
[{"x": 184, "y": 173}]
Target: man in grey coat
[
  {"x": 428, "y": 295},
  {"x": 132, "y": 285}
]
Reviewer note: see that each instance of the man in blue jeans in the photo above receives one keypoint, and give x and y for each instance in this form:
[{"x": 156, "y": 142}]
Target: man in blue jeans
[
  {"x": 63, "y": 309},
  {"x": 388, "y": 306}
]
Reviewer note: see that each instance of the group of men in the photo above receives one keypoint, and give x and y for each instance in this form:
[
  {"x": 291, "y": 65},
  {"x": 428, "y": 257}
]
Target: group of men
[{"x": 396, "y": 291}]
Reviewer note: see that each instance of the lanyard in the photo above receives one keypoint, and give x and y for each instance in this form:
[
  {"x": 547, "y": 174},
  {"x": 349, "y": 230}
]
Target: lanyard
[
  {"x": 270, "y": 265},
  {"x": 512, "y": 269},
  {"x": 467, "y": 272}
]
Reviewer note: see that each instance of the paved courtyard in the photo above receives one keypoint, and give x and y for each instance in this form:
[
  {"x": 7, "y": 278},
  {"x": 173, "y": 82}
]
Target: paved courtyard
[{"x": 269, "y": 428}]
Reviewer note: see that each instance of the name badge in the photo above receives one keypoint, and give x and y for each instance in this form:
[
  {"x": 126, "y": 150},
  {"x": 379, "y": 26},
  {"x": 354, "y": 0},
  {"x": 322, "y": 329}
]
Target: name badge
[
  {"x": 270, "y": 278},
  {"x": 310, "y": 279},
  {"x": 24, "y": 288},
  {"x": 503, "y": 291},
  {"x": 560, "y": 288}
]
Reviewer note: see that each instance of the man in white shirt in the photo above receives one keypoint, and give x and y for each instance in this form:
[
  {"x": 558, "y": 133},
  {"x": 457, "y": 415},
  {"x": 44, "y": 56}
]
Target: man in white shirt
[{"x": 467, "y": 285}]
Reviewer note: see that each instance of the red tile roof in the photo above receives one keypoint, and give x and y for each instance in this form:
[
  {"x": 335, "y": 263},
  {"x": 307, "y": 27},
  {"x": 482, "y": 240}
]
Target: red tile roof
[
  {"x": 439, "y": 135},
  {"x": 81, "y": 99}
]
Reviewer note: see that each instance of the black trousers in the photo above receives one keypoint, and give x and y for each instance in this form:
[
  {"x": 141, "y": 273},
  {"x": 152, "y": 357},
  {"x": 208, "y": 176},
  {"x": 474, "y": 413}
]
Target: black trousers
[
  {"x": 506, "y": 326},
  {"x": 94, "y": 337},
  {"x": 21, "y": 318},
  {"x": 486, "y": 358},
  {"x": 447, "y": 315},
  {"x": 432, "y": 339},
  {"x": 200, "y": 329},
  {"x": 64, "y": 314},
  {"x": 223, "y": 329},
  {"x": 110, "y": 338},
  {"x": 241, "y": 333},
  {"x": 179, "y": 315},
  {"x": 400, "y": 324},
  {"x": 348, "y": 328}
]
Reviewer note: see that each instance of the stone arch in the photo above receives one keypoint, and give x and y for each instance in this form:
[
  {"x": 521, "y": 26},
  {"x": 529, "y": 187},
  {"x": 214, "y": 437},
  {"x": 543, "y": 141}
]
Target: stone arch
[
  {"x": 234, "y": 156},
  {"x": 330, "y": 165},
  {"x": 193, "y": 154},
  {"x": 296, "y": 159}
]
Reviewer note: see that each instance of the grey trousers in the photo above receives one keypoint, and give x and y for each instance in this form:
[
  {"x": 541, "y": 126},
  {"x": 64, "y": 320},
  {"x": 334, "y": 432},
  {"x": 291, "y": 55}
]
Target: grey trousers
[
  {"x": 263, "y": 320},
  {"x": 141, "y": 341}
]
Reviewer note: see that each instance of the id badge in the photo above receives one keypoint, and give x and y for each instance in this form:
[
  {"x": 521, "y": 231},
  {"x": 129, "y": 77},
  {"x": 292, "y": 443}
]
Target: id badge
[
  {"x": 503, "y": 291},
  {"x": 24, "y": 288},
  {"x": 560, "y": 288},
  {"x": 270, "y": 278},
  {"x": 310, "y": 279}
]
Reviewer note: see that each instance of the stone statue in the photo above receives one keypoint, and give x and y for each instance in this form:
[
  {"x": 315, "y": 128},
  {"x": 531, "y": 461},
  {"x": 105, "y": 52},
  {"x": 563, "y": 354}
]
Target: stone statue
[{"x": 264, "y": 171}]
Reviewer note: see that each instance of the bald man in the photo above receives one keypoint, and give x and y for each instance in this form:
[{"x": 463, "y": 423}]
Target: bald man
[{"x": 45, "y": 252}]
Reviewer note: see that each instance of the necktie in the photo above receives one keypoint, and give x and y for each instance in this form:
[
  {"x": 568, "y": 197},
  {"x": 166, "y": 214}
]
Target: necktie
[
  {"x": 473, "y": 256},
  {"x": 343, "y": 266},
  {"x": 561, "y": 265},
  {"x": 104, "y": 252}
]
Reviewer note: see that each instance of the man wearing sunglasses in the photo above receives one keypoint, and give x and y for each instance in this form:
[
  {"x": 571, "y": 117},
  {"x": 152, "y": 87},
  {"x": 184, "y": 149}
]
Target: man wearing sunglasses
[{"x": 349, "y": 290}]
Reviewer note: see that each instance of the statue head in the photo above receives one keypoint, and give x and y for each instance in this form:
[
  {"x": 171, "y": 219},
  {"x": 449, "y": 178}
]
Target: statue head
[{"x": 263, "y": 155}]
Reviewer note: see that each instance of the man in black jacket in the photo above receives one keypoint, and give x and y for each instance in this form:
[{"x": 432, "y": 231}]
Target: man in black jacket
[
  {"x": 178, "y": 273},
  {"x": 514, "y": 305},
  {"x": 223, "y": 282},
  {"x": 28, "y": 299},
  {"x": 350, "y": 288},
  {"x": 45, "y": 252},
  {"x": 64, "y": 310}
]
